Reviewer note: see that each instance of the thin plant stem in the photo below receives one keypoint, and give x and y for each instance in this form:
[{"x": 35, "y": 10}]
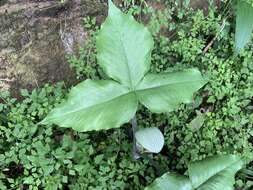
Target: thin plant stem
[{"x": 136, "y": 154}]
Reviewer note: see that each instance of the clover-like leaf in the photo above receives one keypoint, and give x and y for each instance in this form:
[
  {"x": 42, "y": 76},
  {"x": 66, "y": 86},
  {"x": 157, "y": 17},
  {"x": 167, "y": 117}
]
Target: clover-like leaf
[
  {"x": 215, "y": 173},
  {"x": 124, "y": 52}
]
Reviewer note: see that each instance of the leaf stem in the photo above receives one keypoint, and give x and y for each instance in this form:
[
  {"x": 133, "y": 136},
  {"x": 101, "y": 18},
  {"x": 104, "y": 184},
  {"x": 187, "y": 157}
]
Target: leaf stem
[{"x": 136, "y": 154}]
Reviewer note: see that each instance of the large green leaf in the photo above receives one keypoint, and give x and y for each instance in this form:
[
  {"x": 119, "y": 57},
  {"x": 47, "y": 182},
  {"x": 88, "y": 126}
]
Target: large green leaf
[
  {"x": 244, "y": 24},
  {"x": 124, "y": 52},
  {"x": 170, "y": 181},
  {"x": 124, "y": 48},
  {"x": 94, "y": 105},
  {"x": 164, "y": 92},
  {"x": 215, "y": 173}
]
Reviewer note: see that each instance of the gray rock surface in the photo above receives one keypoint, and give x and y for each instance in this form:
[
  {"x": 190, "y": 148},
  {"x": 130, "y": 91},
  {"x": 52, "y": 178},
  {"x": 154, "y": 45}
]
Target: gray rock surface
[{"x": 36, "y": 35}]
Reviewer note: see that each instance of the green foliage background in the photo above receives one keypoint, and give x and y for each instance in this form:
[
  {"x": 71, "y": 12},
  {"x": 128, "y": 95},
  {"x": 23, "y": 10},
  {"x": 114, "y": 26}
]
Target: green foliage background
[
  {"x": 249, "y": 1},
  {"x": 45, "y": 157}
]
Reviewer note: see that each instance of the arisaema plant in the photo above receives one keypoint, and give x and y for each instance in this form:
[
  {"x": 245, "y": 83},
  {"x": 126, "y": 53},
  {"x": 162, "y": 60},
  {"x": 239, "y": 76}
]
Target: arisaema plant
[
  {"x": 215, "y": 173},
  {"x": 124, "y": 52}
]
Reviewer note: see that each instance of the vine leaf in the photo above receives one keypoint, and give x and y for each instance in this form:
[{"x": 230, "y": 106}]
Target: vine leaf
[
  {"x": 209, "y": 174},
  {"x": 124, "y": 52}
]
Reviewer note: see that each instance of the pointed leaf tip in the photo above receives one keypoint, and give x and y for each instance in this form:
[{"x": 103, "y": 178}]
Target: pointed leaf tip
[
  {"x": 112, "y": 8},
  {"x": 94, "y": 105},
  {"x": 110, "y": 3},
  {"x": 121, "y": 44}
]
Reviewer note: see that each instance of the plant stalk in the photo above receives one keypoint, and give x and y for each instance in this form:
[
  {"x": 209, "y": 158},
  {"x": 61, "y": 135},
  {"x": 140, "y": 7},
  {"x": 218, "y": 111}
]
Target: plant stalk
[{"x": 136, "y": 154}]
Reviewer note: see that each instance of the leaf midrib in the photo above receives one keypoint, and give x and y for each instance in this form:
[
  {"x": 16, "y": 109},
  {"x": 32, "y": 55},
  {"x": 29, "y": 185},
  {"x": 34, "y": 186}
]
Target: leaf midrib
[
  {"x": 216, "y": 174},
  {"x": 89, "y": 107},
  {"x": 125, "y": 94},
  {"x": 164, "y": 85},
  {"x": 125, "y": 55}
]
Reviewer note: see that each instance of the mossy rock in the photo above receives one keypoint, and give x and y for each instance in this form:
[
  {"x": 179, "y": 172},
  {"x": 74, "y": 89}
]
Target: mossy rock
[{"x": 36, "y": 36}]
